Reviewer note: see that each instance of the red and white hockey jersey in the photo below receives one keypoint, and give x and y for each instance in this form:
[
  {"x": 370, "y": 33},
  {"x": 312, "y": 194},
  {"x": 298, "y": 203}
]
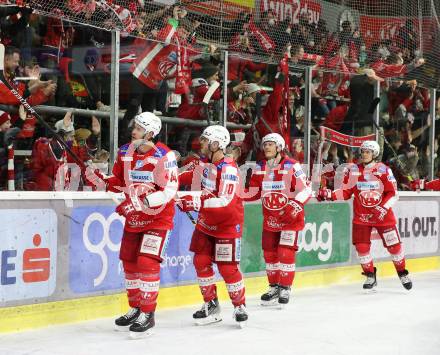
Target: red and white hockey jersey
[
  {"x": 221, "y": 214},
  {"x": 276, "y": 187},
  {"x": 152, "y": 176},
  {"x": 371, "y": 185}
]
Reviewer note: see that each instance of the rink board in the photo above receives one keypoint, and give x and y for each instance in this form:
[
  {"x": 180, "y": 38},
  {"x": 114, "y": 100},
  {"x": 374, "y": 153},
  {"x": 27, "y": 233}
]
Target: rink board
[{"x": 59, "y": 258}]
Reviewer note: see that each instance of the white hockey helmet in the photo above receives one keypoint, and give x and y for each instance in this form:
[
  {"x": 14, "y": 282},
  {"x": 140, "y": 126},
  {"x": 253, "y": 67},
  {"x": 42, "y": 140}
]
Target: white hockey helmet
[
  {"x": 217, "y": 134},
  {"x": 276, "y": 138},
  {"x": 371, "y": 145},
  {"x": 150, "y": 122}
]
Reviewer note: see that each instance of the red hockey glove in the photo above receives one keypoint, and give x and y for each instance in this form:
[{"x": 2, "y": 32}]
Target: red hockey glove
[
  {"x": 125, "y": 208},
  {"x": 417, "y": 185},
  {"x": 189, "y": 203},
  {"x": 380, "y": 212},
  {"x": 292, "y": 210},
  {"x": 324, "y": 194},
  {"x": 95, "y": 178}
]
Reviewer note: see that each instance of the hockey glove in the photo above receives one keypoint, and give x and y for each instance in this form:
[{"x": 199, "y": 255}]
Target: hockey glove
[
  {"x": 95, "y": 178},
  {"x": 292, "y": 210},
  {"x": 125, "y": 208},
  {"x": 189, "y": 203},
  {"x": 324, "y": 194},
  {"x": 417, "y": 185},
  {"x": 380, "y": 212}
]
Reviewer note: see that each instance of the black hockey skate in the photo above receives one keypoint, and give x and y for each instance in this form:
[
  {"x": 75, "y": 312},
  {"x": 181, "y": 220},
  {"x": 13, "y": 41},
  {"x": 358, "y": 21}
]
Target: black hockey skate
[
  {"x": 284, "y": 296},
  {"x": 123, "y": 322},
  {"x": 240, "y": 315},
  {"x": 141, "y": 327},
  {"x": 404, "y": 279},
  {"x": 209, "y": 313},
  {"x": 371, "y": 282},
  {"x": 270, "y": 298}
]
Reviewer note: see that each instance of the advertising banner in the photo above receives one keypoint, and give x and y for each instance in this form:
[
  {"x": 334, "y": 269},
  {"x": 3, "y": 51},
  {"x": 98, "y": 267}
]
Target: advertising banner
[
  {"x": 28, "y": 251},
  {"x": 418, "y": 227},
  {"x": 375, "y": 29},
  {"x": 292, "y": 9},
  {"x": 177, "y": 265},
  {"x": 95, "y": 239},
  {"x": 325, "y": 239},
  {"x": 228, "y": 10}
]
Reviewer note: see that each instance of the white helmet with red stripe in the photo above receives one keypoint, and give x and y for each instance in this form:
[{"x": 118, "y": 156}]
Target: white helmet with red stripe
[
  {"x": 373, "y": 146},
  {"x": 274, "y": 137},
  {"x": 217, "y": 133},
  {"x": 150, "y": 122}
]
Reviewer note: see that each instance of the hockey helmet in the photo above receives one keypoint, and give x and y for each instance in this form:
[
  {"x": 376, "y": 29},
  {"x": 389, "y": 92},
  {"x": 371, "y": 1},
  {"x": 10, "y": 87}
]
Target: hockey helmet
[
  {"x": 217, "y": 134},
  {"x": 371, "y": 145},
  {"x": 150, "y": 122},
  {"x": 274, "y": 137}
]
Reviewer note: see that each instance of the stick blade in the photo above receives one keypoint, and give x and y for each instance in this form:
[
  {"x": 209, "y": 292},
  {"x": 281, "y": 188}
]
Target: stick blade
[{"x": 373, "y": 105}]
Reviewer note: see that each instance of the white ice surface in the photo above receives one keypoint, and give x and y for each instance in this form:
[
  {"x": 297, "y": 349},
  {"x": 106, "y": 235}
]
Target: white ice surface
[{"x": 337, "y": 320}]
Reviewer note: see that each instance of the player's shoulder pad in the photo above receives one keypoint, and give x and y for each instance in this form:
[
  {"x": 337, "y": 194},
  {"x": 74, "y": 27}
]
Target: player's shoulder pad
[
  {"x": 288, "y": 163},
  {"x": 123, "y": 149},
  {"x": 161, "y": 150},
  {"x": 261, "y": 165},
  {"x": 227, "y": 161}
]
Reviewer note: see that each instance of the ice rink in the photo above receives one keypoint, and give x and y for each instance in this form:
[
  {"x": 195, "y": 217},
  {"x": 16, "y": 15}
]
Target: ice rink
[{"x": 337, "y": 320}]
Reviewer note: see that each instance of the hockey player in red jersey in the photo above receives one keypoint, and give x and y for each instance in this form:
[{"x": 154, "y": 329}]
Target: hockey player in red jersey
[
  {"x": 147, "y": 173},
  {"x": 375, "y": 191},
  {"x": 217, "y": 235},
  {"x": 282, "y": 186}
]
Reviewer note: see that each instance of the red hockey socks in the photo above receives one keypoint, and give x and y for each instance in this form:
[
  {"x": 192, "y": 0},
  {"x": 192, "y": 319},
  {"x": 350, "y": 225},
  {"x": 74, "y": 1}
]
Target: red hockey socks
[
  {"x": 286, "y": 257},
  {"x": 272, "y": 267},
  {"x": 234, "y": 282},
  {"x": 365, "y": 258},
  {"x": 398, "y": 256},
  {"x": 205, "y": 276},
  {"x": 149, "y": 276},
  {"x": 132, "y": 284}
]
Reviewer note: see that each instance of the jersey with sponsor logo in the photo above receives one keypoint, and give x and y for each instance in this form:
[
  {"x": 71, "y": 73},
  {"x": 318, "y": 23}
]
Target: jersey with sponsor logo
[
  {"x": 276, "y": 186},
  {"x": 221, "y": 214},
  {"x": 153, "y": 177},
  {"x": 371, "y": 185}
]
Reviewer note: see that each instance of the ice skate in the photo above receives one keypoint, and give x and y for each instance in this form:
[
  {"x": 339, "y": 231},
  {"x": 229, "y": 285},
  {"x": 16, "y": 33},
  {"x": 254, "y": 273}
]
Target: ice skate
[
  {"x": 141, "y": 327},
  {"x": 284, "y": 296},
  {"x": 209, "y": 313},
  {"x": 240, "y": 315},
  {"x": 270, "y": 298},
  {"x": 404, "y": 279},
  {"x": 123, "y": 323},
  {"x": 371, "y": 282}
]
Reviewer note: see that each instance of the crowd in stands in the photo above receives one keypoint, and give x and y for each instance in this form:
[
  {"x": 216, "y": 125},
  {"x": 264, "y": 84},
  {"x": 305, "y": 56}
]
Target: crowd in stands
[{"x": 171, "y": 65}]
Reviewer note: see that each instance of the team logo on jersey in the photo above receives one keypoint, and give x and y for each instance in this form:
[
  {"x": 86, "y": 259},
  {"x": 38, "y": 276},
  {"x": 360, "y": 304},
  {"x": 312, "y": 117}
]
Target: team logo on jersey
[
  {"x": 274, "y": 201},
  {"x": 370, "y": 198},
  {"x": 139, "y": 164}
]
